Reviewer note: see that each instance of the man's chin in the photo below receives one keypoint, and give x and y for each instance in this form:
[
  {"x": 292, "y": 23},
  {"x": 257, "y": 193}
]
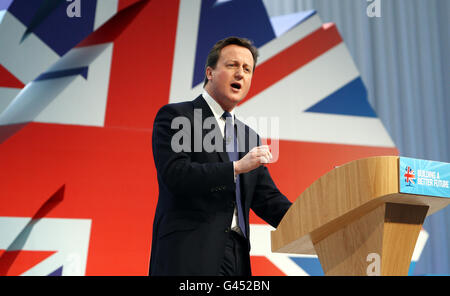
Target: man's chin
[
  {"x": 235, "y": 98},
  {"x": 235, "y": 101},
  {"x": 231, "y": 100}
]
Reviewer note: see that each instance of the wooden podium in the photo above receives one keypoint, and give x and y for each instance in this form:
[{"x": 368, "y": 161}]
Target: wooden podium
[{"x": 353, "y": 214}]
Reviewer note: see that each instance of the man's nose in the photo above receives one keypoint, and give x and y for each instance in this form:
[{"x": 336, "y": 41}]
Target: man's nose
[{"x": 239, "y": 73}]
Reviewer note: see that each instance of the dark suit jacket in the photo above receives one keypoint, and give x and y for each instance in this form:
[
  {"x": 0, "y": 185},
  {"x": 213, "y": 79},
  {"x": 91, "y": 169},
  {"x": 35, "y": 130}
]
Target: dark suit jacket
[{"x": 197, "y": 196}]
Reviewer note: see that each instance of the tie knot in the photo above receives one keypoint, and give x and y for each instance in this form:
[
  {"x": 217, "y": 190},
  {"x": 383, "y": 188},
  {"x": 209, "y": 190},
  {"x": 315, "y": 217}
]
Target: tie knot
[{"x": 226, "y": 115}]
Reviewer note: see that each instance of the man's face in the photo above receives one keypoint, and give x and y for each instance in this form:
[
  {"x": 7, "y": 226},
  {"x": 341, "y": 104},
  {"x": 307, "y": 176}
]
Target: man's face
[{"x": 230, "y": 81}]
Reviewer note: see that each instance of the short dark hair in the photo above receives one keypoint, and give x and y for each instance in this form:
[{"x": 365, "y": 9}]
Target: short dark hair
[{"x": 214, "y": 54}]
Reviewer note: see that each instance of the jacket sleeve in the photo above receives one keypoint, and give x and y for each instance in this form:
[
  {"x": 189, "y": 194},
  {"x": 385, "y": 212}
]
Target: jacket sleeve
[
  {"x": 268, "y": 202},
  {"x": 176, "y": 169}
]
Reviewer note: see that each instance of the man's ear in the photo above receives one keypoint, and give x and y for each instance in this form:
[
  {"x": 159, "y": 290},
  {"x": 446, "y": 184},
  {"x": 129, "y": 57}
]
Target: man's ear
[{"x": 209, "y": 71}]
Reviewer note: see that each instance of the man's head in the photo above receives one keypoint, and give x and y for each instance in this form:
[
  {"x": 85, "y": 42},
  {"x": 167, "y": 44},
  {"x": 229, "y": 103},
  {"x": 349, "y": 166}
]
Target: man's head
[{"x": 229, "y": 70}]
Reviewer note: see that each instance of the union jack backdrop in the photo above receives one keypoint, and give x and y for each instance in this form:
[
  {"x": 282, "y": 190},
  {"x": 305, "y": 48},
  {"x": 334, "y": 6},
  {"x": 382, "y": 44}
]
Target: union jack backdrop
[{"x": 80, "y": 84}]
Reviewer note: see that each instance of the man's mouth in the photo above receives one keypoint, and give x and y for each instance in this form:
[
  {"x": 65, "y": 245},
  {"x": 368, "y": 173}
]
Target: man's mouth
[{"x": 236, "y": 85}]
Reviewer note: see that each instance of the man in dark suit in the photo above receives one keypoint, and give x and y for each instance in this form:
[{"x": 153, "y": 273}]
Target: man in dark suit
[{"x": 211, "y": 173}]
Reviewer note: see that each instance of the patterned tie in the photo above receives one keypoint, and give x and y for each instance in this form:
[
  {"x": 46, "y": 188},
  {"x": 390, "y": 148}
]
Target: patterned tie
[{"x": 233, "y": 154}]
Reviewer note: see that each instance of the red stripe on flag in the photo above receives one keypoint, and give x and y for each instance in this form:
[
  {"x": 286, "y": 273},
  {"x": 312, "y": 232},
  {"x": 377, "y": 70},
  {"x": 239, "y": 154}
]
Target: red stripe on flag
[
  {"x": 261, "y": 266},
  {"x": 294, "y": 57},
  {"x": 112, "y": 29},
  {"x": 125, "y": 3},
  {"x": 110, "y": 178},
  {"x": 9, "y": 80},
  {"x": 141, "y": 68},
  {"x": 14, "y": 263}
]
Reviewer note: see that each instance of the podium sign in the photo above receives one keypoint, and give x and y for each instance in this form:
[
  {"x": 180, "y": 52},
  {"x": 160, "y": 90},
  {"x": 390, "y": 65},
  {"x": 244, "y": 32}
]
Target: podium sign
[{"x": 424, "y": 177}]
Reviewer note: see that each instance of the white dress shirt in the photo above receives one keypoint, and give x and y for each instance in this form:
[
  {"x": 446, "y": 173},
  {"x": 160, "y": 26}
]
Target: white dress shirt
[{"x": 218, "y": 112}]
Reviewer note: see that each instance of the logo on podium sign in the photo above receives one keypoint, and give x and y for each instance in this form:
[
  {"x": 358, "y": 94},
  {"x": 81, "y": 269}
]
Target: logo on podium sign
[{"x": 409, "y": 176}]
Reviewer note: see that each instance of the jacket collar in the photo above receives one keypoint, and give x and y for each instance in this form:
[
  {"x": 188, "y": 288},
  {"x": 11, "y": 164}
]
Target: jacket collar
[
  {"x": 242, "y": 129},
  {"x": 200, "y": 103}
]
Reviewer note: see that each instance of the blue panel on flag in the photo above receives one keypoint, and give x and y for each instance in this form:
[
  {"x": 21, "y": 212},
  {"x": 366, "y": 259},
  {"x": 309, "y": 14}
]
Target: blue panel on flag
[
  {"x": 218, "y": 21},
  {"x": 310, "y": 265},
  {"x": 50, "y": 22},
  {"x": 424, "y": 177},
  {"x": 83, "y": 71},
  {"x": 349, "y": 100},
  {"x": 57, "y": 272}
]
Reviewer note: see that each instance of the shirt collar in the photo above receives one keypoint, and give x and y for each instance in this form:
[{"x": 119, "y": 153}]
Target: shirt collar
[{"x": 215, "y": 107}]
